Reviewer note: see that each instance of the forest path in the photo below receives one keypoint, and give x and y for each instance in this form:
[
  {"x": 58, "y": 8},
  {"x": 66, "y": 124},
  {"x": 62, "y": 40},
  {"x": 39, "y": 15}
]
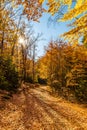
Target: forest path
[{"x": 37, "y": 109}]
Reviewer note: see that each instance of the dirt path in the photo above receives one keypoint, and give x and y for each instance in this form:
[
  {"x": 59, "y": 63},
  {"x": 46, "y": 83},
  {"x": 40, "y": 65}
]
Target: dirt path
[{"x": 36, "y": 109}]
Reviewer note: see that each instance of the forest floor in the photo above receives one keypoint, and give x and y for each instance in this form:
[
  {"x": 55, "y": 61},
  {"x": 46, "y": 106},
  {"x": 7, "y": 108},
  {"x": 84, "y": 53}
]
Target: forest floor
[{"x": 37, "y": 109}]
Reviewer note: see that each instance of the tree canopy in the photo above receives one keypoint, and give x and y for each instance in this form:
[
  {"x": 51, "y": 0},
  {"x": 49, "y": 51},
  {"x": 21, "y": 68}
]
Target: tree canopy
[{"x": 76, "y": 12}]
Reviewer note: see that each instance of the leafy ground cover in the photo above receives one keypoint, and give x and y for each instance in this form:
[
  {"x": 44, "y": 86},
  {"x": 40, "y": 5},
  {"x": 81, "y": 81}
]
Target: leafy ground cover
[{"x": 37, "y": 109}]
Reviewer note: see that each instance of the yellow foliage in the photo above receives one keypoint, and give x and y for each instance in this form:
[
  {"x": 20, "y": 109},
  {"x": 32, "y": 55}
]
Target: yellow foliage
[
  {"x": 79, "y": 3},
  {"x": 50, "y": 1},
  {"x": 41, "y": 1},
  {"x": 67, "y": 2},
  {"x": 53, "y": 7},
  {"x": 75, "y": 12}
]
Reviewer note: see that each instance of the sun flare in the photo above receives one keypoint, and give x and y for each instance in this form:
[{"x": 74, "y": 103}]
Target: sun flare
[{"x": 21, "y": 40}]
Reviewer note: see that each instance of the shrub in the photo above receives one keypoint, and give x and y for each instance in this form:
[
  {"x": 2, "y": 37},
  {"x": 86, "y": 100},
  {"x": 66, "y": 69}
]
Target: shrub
[
  {"x": 8, "y": 74},
  {"x": 42, "y": 81},
  {"x": 29, "y": 79},
  {"x": 56, "y": 85}
]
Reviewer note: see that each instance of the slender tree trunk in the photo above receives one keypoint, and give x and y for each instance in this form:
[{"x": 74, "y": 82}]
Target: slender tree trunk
[
  {"x": 2, "y": 43},
  {"x": 25, "y": 67},
  {"x": 33, "y": 70}
]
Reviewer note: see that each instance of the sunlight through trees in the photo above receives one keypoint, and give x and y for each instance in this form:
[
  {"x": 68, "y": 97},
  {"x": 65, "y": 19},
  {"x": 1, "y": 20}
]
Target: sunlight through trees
[{"x": 64, "y": 64}]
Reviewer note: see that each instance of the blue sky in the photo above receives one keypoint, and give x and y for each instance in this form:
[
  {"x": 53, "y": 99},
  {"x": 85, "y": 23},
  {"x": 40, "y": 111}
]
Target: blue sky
[{"x": 53, "y": 31}]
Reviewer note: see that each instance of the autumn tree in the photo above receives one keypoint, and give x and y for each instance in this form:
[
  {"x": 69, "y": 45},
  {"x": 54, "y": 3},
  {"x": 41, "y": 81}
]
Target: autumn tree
[
  {"x": 64, "y": 67},
  {"x": 54, "y": 63},
  {"x": 77, "y": 76},
  {"x": 70, "y": 10},
  {"x": 17, "y": 56}
]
